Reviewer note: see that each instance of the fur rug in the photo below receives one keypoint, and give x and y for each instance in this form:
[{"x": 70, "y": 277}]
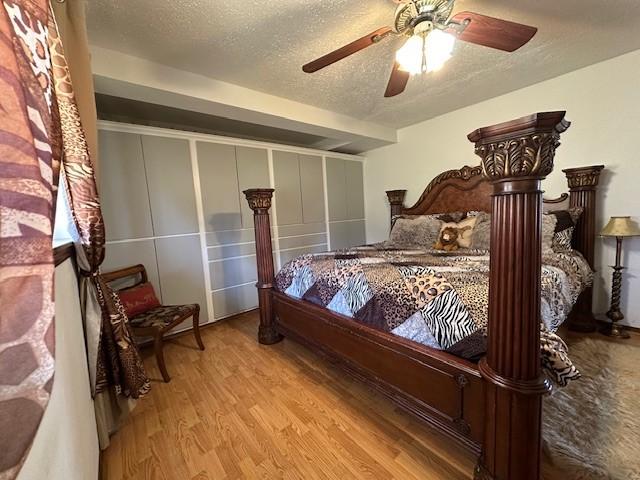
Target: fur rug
[{"x": 592, "y": 427}]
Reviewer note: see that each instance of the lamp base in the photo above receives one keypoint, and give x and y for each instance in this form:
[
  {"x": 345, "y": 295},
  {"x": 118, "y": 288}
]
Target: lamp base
[{"x": 614, "y": 330}]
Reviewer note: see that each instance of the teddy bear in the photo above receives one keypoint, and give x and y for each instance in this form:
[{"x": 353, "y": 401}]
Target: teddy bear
[{"x": 448, "y": 239}]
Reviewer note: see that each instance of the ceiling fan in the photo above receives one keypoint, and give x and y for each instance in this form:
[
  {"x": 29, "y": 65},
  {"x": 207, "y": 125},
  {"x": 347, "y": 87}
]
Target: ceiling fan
[{"x": 432, "y": 32}]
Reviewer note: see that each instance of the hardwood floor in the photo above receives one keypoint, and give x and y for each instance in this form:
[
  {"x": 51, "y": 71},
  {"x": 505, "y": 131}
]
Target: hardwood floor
[{"x": 242, "y": 410}]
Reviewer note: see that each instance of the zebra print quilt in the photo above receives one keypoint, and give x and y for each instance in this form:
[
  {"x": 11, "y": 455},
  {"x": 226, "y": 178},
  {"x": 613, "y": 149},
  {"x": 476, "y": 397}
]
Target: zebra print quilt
[{"x": 434, "y": 298}]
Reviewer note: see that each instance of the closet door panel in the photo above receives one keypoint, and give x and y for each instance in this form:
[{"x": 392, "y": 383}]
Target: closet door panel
[
  {"x": 220, "y": 252},
  {"x": 287, "y": 187},
  {"x": 127, "y": 254},
  {"x": 123, "y": 186},
  {"x": 232, "y": 272},
  {"x": 303, "y": 241},
  {"x": 302, "y": 229},
  {"x": 312, "y": 188},
  {"x": 339, "y": 232},
  {"x": 234, "y": 300},
  {"x": 336, "y": 189},
  {"x": 230, "y": 237},
  {"x": 253, "y": 172},
  {"x": 357, "y": 233},
  {"x": 180, "y": 271},
  {"x": 170, "y": 180},
  {"x": 288, "y": 255},
  {"x": 219, "y": 186},
  {"x": 355, "y": 189}
]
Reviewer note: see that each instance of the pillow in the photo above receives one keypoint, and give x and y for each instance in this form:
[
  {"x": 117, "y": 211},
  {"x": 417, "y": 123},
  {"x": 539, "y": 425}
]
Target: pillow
[
  {"x": 464, "y": 229},
  {"x": 481, "y": 236},
  {"x": 414, "y": 231},
  {"x": 565, "y": 224},
  {"x": 453, "y": 217},
  {"x": 444, "y": 217},
  {"x": 138, "y": 299}
]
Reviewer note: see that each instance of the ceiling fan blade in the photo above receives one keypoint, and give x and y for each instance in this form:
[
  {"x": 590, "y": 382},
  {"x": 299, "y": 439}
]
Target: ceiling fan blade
[
  {"x": 397, "y": 82},
  {"x": 494, "y": 32},
  {"x": 347, "y": 50}
]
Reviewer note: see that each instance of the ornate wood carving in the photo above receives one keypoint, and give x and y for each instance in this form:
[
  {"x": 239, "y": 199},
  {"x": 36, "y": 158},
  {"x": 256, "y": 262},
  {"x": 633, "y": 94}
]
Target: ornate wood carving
[
  {"x": 466, "y": 173},
  {"x": 458, "y": 190},
  {"x": 515, "y": 156},
  {"x": 583, "y": 177},
  {"x": 259, "y": 200},
  {"x": 583, "y": 185},
  {"x": 528, "y": 156}
]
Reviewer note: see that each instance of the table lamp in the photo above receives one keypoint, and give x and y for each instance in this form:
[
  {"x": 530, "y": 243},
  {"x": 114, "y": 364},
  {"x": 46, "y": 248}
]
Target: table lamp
[{"x": 618, "y": 227}]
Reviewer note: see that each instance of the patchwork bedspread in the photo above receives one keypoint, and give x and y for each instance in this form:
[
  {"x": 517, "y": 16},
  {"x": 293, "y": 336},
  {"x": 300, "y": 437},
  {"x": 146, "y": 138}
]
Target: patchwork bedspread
[{"x": 434, "y": 298}]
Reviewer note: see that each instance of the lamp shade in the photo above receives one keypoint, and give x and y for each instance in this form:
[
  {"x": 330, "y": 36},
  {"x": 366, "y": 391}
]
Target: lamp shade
[{"x": 620, "y": 227}]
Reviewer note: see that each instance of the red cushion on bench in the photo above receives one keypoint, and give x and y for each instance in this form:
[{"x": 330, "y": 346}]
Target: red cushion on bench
[{"x": 138, "y": 299}]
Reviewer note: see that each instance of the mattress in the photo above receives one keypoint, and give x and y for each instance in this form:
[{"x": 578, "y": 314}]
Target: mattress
[{"x": 437, "y": 299}]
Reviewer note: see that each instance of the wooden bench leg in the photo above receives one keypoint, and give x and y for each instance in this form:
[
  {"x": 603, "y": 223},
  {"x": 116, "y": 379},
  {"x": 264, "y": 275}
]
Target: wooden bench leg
[
  {"x": 196, "y": 329},
  {"x": 157, "y": 346}
]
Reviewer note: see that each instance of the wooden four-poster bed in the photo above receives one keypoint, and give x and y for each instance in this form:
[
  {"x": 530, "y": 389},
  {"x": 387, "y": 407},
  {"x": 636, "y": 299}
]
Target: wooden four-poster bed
[{"x": 492, "y": 407}]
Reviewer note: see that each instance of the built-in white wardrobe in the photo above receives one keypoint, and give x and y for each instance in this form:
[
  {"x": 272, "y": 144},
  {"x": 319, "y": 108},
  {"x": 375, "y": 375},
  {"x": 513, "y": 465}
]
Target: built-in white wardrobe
[{"x": 173, "y": 201}]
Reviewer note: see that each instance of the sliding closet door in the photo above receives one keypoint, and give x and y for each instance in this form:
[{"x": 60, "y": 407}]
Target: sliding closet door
[
  {"x": 147, "y": 189},
  {"x": 345, "y": 193},
  {"x": 312, "y": 189},
  {"x": 225, "y": 171},
  {"x": 219, "y": 186},
  {"x": 288, "y": 195},
  {"x": 123, "y": 187},
  {"x": 202, "y": 250},
  {"x": 299, "y": 198},
  {"x": 170, "y": 180}
]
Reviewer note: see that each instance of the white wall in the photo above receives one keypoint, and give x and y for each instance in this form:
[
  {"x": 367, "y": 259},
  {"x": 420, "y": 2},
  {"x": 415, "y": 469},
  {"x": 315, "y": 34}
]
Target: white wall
[
  {"x": 602, "y": 102},
  {"x": 66, "y": 444}
]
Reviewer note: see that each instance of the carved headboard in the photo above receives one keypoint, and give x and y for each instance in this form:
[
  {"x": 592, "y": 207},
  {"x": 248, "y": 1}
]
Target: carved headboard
[
  {"x": 452, "y": 191},
  {"x": 467, "y": 189}
]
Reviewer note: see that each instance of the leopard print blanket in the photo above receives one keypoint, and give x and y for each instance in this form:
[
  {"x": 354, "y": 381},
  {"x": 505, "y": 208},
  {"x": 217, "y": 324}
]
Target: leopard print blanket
[{"x": 434, "y": 298}]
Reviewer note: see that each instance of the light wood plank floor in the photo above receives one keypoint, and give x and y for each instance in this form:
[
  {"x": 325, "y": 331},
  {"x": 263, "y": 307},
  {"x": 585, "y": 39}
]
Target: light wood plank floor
[{"x": 242, "y": 410}]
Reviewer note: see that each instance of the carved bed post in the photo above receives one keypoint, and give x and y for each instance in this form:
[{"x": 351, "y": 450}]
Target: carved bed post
[
  {"x": 583, "y": 183},
  {"x": 516, "y": 156},
  {"x": 259, "y": 200},
  {"x": 396, "y": 199}
]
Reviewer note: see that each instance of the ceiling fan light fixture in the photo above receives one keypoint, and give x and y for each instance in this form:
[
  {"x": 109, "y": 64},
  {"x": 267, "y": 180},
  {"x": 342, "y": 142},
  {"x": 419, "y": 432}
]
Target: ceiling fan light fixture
[
  {"x": 438, "y": 49},
  {"x": 425, "y": 52},
  {"x": 410, "y": 56}
]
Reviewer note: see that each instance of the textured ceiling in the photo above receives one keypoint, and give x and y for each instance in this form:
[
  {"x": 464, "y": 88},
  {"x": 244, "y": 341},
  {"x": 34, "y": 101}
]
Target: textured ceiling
[{"x": 263, "y": 44}]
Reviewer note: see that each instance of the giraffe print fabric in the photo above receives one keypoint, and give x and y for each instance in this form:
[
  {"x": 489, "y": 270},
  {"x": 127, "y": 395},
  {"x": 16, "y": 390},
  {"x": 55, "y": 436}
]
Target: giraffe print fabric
[{"x": 40, "y": 129}]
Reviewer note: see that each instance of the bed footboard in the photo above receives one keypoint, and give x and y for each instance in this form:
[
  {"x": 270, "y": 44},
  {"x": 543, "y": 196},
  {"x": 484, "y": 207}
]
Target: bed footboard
[{"x": 515, "y": 157}]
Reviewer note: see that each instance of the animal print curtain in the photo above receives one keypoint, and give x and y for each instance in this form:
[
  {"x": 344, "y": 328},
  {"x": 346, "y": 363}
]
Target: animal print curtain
[{"x": 39, "y": 127}]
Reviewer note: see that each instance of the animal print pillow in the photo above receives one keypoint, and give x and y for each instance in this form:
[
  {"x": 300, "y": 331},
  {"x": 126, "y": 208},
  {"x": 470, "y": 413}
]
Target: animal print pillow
[
  {"x": 414, "y": 231},
  {"x": 565, "y": 224},
  {"x": 464, "y": 229},
  {"x": 481, "y": 237},
  {"x": 444, "y": 217}
]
